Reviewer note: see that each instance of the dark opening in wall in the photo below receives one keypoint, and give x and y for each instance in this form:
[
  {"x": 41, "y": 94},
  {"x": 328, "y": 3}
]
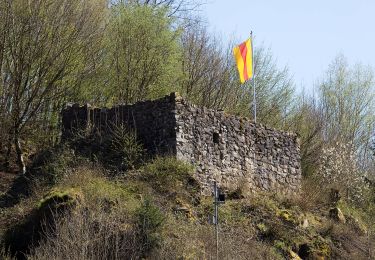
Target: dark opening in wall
[{"x": 216, "y": 138}]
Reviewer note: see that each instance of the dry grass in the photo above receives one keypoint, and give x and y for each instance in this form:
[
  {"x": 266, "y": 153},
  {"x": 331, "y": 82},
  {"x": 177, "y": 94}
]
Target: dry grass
[
  {"x": 89, "y": 234},
  {"x": 110, "y": 222},
  {"x": 312, "y": 196},
  {"x": 190, "y": 240},
  {"x": 4, "y": 255}
]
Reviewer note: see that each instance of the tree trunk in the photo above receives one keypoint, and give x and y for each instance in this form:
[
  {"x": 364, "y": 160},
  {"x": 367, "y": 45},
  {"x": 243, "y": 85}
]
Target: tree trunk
[
  {"x": 20, "y": 160},
  {"x": 8, "y": 153}
]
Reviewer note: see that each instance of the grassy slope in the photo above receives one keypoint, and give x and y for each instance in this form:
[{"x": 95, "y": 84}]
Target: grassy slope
[{"x": 110, "y": 211}]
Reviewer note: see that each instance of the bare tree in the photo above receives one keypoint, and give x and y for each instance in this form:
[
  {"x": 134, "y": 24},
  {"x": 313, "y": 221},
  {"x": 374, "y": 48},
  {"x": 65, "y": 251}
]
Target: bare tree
[
  {"x": 274, "y": 90},
  {"x": 347, "y": 100},
  {"x": 210, "y": 78},
  {"x": 207, "y": 69},
  {"x": 41, "y": 43},
  {"x": 341, "y": 112},
  {"x": 306, "y": 119}
]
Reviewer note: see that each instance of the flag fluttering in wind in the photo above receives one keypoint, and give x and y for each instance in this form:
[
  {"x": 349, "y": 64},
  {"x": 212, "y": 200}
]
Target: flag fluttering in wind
[{"x": 243, "y": 55}]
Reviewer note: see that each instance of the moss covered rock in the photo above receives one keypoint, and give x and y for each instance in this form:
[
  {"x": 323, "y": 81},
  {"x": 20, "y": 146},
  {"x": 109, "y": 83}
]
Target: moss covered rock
[
  {"x": 24, "y": 236},
  {"x": 286, "y": 215},
  {"x": 60, "y": 199}
]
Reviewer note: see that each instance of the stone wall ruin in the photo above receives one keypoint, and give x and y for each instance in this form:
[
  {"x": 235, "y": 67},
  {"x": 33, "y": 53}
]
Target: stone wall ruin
[{"x": 232, "y": 150}]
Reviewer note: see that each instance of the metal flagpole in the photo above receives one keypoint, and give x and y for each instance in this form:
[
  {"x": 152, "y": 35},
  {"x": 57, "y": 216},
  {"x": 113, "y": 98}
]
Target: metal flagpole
[
  {"x": 252, "y": 64},
  {"x": 254, "y": 95}
]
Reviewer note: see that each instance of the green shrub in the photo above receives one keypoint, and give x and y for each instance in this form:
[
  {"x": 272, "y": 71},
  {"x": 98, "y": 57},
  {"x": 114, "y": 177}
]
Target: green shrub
[
  {"x": 166, "y": 173},
  {"x": 117, "y": 149},
  {"x": 99, "y": 190},
  {"x": 125, "y": 149},
  {"x": 149, "y": 221}
]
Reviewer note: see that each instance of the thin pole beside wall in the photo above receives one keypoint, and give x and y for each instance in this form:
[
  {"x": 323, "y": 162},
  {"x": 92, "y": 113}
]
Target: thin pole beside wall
[
  {"x": 216, "y": 218},
  {"x": 253, "y": 79}
]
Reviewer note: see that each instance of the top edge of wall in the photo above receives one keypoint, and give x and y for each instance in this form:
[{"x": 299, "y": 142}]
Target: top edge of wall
[{"x": 176, "y": 97}]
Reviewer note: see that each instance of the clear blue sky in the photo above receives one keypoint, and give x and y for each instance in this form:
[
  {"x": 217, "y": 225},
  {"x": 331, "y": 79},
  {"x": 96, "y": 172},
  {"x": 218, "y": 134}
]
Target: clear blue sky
[{"x": 304, "y": 35}]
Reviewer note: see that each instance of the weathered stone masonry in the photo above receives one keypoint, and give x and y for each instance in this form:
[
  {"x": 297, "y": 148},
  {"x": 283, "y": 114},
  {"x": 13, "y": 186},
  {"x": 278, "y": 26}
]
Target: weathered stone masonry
[{"x": 229, "y": 149}]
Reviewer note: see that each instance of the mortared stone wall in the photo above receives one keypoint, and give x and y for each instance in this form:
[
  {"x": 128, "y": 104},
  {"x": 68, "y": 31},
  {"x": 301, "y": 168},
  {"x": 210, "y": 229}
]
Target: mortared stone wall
[{"x": 232, "y": 150}]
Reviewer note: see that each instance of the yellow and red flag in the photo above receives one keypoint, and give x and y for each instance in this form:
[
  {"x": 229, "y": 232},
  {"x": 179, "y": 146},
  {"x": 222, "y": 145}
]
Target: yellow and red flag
[{"x": 243, "y": 55}]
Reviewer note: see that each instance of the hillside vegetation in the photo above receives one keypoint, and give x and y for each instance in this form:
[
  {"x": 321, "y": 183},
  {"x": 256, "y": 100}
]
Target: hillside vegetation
[{"x": 83, "y": 211}]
